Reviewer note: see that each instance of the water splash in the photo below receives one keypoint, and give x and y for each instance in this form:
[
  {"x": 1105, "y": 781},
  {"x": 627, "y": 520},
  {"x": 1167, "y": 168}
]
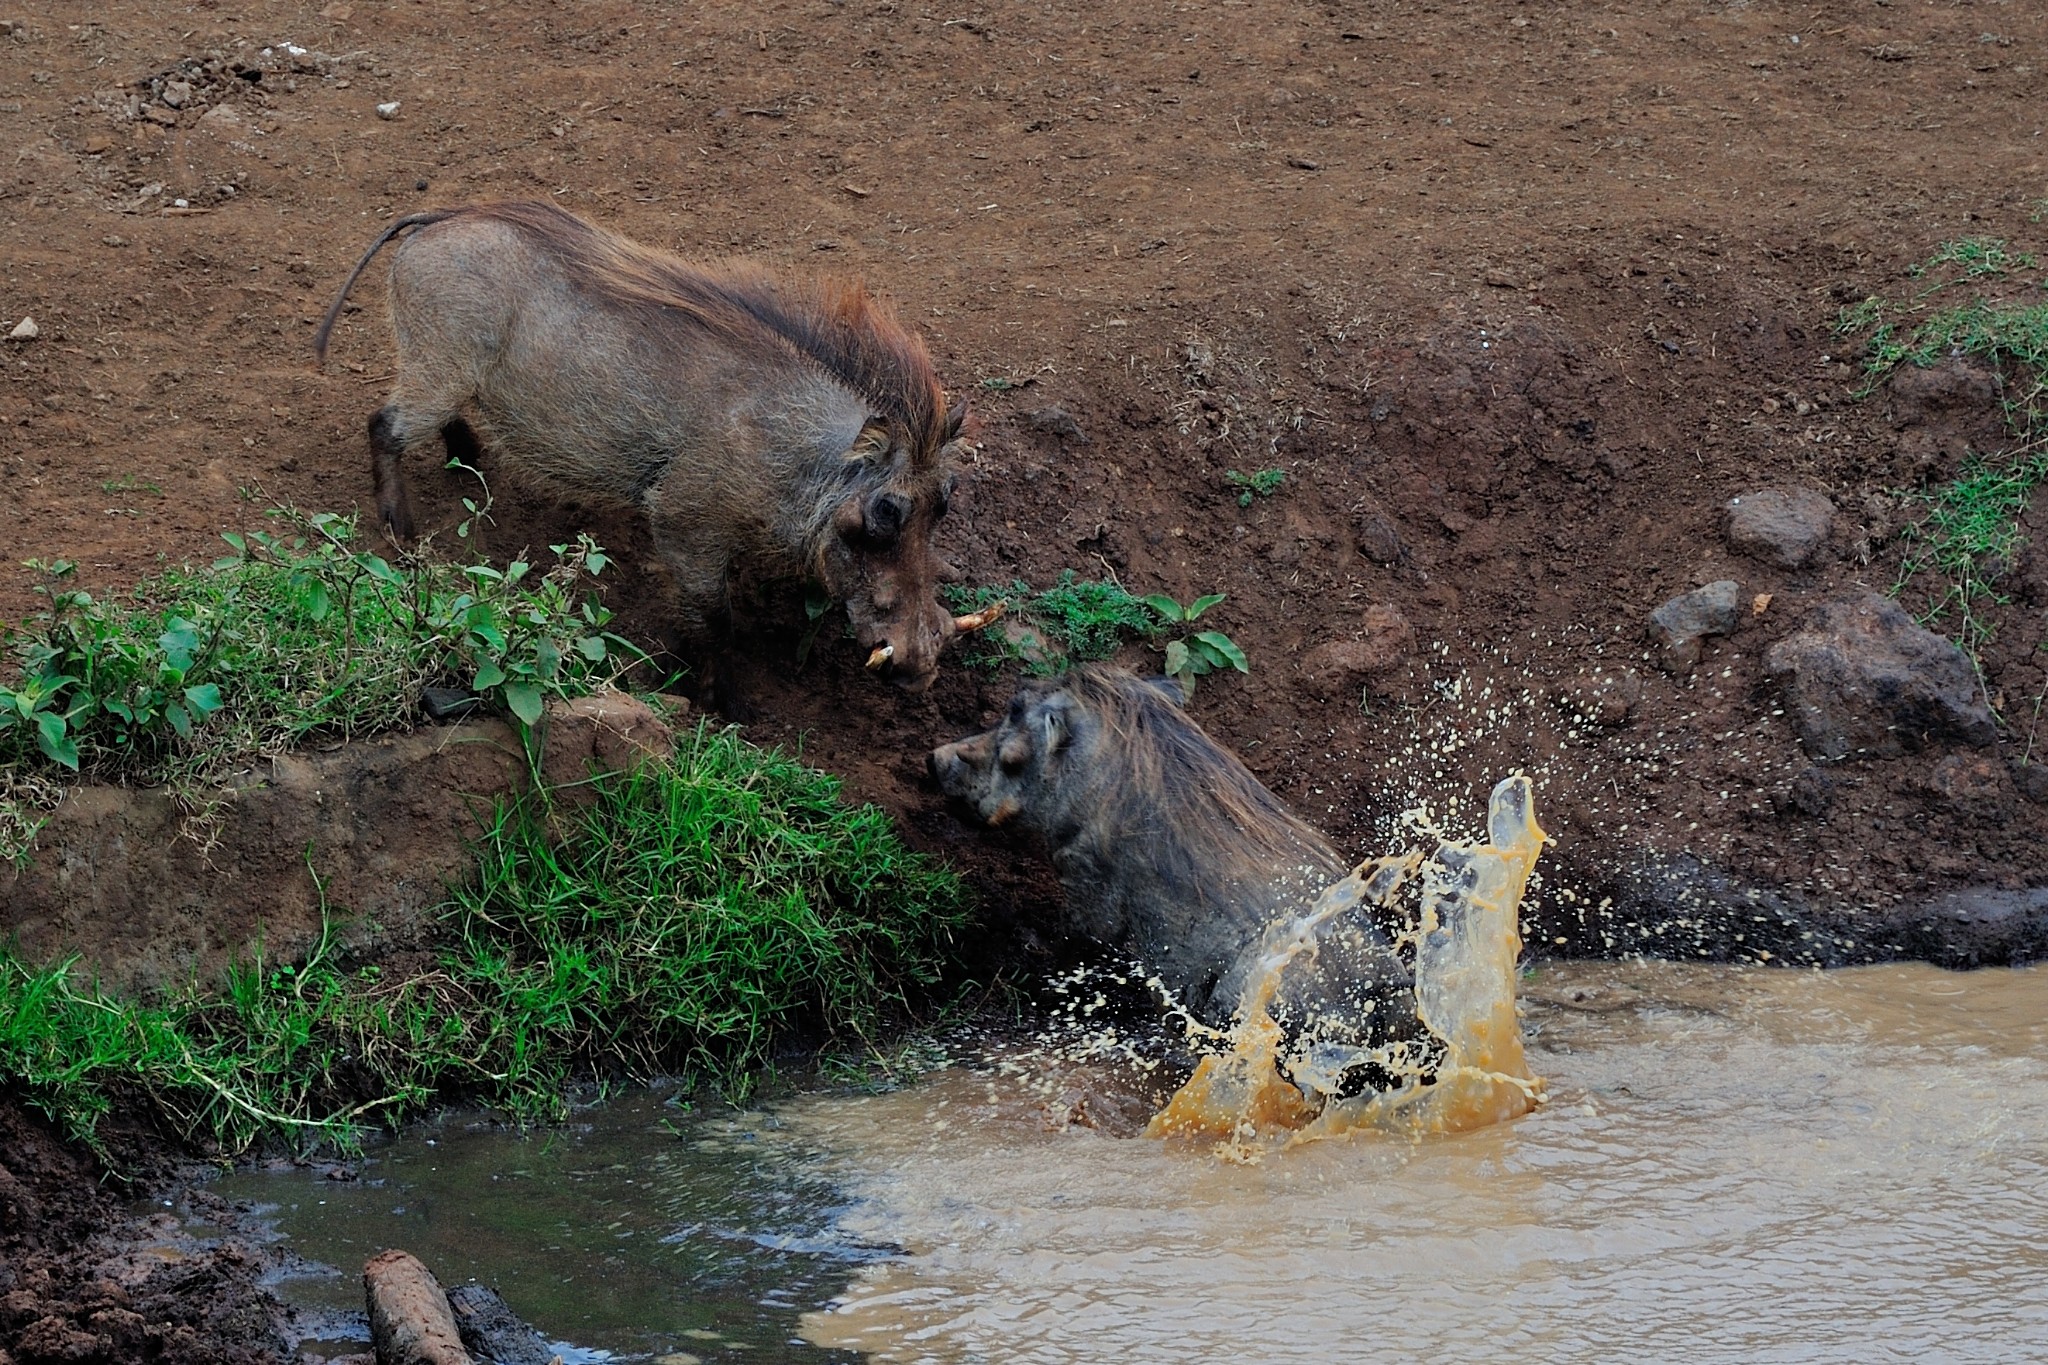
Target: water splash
[{"x": 1466, "y": 942}]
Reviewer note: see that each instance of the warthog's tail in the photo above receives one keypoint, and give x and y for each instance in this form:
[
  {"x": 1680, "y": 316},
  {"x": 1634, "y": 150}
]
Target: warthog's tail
[{"x": 327, "y": 323}]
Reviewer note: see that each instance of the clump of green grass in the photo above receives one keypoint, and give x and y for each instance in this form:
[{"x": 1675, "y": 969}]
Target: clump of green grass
[
  {"x": 1967, "y": 529},
  {"x": 1072, "y": 621},
  {"x": 1967, "y": 535},
  {"x": 682, "y": 920},
  {"x": 293, "y": 635},
  {"x": 2008, "y": 330}
]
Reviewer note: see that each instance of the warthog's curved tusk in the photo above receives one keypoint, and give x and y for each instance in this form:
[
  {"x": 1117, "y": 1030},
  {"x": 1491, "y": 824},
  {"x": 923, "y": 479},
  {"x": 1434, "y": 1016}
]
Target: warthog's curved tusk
[
  {"x": 882, "y": 655},
  {"x": 987, "y": 616}
]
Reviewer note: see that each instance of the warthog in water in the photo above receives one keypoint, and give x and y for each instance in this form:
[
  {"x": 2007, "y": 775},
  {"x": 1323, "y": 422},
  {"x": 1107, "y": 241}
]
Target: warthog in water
[
  {"x": 793, "y": 426},
  {"x": 1173, "y": 853}
]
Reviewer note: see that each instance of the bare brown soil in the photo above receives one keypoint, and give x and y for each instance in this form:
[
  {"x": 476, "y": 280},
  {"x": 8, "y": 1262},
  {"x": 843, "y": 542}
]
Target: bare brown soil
[{"x": 1518, "y": 295}]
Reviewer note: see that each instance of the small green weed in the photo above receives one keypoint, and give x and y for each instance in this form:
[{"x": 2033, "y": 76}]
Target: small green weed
[
  {"x": 1967, "y": 534},
  {"x": 1198, "y": 652},
  {"x": 1072, "y": 621},
  {"x": 1972, "y": 258},
  {"x": 128, "y": 483},
  {"x": 294, "y": 634},
  {"x": 1265, "y": 483},
  {"x": 683, "y": 921}
]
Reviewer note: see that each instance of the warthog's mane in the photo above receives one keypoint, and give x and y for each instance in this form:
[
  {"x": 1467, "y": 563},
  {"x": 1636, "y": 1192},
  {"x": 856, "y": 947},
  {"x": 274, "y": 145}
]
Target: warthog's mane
[
  {"x": 836, "y": 324},
  {"x": 1203, "y": 813}
]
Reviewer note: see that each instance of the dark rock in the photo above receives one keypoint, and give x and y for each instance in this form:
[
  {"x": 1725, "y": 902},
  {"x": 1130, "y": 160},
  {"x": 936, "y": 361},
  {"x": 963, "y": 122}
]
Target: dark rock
[
  {"x": 493, "y": 1332},
  {"x": 1782, "y": 526},
  {"x": 1862, "y": 677},
  {"x": 54, "y": 1339},
  {"x": 448, "y": 703},
  {"x": 1054, "y": 420},
  {"x": 1380, "y": 540},
  {"x": 1681, "y": 908},
  {"x": 1920, "y": 393},
  {"x": 1386, "y": 642},
  {"x": 2032, "y": 781},
  {"x": 1607, "y": 698},
  {"x": 1678, "y": 627},
  {"x": 1977, "y": 927}
]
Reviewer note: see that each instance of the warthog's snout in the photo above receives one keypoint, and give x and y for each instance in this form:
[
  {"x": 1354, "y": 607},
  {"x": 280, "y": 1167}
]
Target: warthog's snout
[{"x": 960, "y": 767}]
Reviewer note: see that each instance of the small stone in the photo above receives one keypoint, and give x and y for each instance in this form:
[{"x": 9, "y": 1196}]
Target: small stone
[
  {"x": 2032, "y": 781},
  {"x": 1056, "y": 421},
  {"x": 166, "y": 117},
  {"x": 177, "y": 94},
  {"x": 223, "y": 118},
  {"x": 1782, "y": 526},
  {"x": 1862, "y": 677},
  {"x": 389, "y": 111},
  {"x": 1678, "y": 627},
  {"x": 1380, "y": 540},
  {"x": 98, "y": 145},
  {"x": 25, "y": 330}
]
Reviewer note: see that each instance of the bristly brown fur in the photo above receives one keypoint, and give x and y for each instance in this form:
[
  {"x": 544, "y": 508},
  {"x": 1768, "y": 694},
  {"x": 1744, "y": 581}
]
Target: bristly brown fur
[
  {"x": 1165, "y": 761},
  {"x": 835, "y": 323}
]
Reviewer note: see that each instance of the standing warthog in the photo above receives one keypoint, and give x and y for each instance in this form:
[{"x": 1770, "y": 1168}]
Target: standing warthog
[
  {"x": 1173, "y": 853},
  {"x": 797, "y": 427}
]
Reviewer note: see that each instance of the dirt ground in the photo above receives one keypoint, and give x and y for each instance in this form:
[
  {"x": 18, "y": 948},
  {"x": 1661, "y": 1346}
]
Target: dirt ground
[{"x": 1518, "y": 295}]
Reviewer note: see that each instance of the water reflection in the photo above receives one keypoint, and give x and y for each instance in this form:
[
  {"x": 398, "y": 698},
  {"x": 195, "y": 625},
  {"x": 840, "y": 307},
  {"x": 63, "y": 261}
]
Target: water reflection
[{"x": 639, "y": 1229}]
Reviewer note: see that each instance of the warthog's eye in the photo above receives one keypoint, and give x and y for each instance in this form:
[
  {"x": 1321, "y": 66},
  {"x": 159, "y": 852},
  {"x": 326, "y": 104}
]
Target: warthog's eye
[{"x": 885, "y": 516}]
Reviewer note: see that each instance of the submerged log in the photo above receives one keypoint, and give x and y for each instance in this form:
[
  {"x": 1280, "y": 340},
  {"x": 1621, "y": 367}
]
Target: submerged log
[{"x": 410, "y": 1321}]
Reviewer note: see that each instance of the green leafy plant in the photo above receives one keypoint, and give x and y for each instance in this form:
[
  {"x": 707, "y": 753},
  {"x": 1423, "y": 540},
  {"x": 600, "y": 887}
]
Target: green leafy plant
[
  {"x": 684, "y": 918},
  {"x": 299, "y": 632},
  {"x": 1199, "y": 652},
  {"x": 1072, "y": 621},
  {"x": 1265, "y": 483}
]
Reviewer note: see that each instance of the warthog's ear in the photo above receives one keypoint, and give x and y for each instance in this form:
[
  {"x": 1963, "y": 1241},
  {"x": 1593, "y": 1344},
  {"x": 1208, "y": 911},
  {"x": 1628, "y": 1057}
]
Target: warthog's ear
[
  {"x": 1052, "y": 723},
  {"x": 956, "y": 418},
  {"x": 872, "y": 443}
]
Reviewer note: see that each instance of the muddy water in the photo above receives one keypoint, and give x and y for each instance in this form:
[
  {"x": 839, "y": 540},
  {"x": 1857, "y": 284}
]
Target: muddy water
[{"x": 1730, "y": 1165}]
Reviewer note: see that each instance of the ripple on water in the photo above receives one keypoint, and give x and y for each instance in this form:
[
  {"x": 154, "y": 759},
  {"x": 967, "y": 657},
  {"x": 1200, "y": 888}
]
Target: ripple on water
[{"x": 1733, "y": 1165}]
